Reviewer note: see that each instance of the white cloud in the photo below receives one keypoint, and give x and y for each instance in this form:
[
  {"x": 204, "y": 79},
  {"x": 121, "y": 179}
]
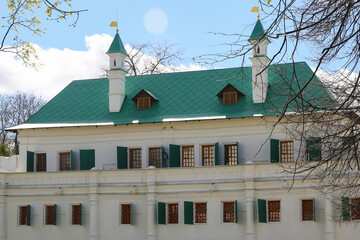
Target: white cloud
[{"x": 59, "y": 68}]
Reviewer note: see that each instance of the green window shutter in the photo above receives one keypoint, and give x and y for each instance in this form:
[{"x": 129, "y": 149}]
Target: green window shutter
[
  {"x": 122, "y": 157},
  {"x": 262, "y": 210},
  {"x": 54, "y": 214},
  {"x": 161, "y": 213},
  {"x": 80, "y": 209},
  {"x": 314, "y": 148},
  {"x": 30, "y": 161},
  {"x": 87, "y": 159},
  {"x": 188, "y": 212},
  {"x": 174, "y": 155},
  {"x": 131, "y": 214},
  {"x": 236, "y": 211},
  {"x": 217, "y": 158},
  {"x": 71, "y": 159},
  {"x": 314, "y": 209},
  {"x": 345, "y": 203},
  {"x": 28, "y": 217},
  {"x": 274, "y": 151}
]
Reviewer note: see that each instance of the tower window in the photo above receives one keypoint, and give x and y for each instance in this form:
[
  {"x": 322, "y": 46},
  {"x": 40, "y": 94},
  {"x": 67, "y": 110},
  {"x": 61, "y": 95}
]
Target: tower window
[
  {"x": 114, "y": 62},
  {"x": 257, "y": 49}
]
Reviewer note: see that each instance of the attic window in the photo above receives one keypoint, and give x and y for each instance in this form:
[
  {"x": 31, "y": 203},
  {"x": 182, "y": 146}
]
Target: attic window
[
  {"x": 144, "y": 99},
  {"x": 230, "y": 94},
  {"x": 143, "y": 103},
  {"x": 229, "y": 97}
]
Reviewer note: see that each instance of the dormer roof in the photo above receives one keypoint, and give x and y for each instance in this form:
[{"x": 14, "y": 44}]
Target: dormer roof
[
  {"x": 230, "y": 88},
  {"x": 117, "y": 45},
  {"x": 144, "y": 93}
]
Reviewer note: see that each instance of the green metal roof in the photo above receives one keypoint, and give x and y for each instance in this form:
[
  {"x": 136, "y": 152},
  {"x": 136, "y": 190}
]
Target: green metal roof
[
  {"x": 182, "y": 95},
  {"x": 258, "y": 32},
  {"x": 117, "y": 45}
]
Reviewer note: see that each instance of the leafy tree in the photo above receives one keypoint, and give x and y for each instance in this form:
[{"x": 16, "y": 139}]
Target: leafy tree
[{"x": 24, "y": 16}]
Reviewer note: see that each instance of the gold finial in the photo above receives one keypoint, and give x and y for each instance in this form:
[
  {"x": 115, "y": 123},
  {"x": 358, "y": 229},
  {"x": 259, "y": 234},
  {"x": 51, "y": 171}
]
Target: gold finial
[{"x": 258, "y": 16}]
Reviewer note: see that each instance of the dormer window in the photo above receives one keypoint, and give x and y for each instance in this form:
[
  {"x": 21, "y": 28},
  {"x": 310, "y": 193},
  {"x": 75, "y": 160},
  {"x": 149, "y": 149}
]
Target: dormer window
[
  {"x": 230, "y": 94},
  {"x": 144, "y": 103},
  {"x": 144, "y": 99},
  {"x": 230, "y": 97}
]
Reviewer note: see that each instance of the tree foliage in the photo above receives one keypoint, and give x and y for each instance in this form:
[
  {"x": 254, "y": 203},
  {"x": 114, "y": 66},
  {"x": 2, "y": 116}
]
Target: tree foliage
[
  {"x": 15, "y": 109},
  {"x": 23, "y": 16}
]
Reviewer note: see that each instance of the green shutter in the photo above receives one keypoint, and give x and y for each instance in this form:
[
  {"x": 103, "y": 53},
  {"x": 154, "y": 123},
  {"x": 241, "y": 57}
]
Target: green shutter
[
  {"x": 80, "y": 213},
  {"x": 314, "y": 148},
  {"x": 188, "y": 212},
  {"x": 262, "y": 210},
  {"x": 161, "y": 213},
  {"x": 236, "y": 211},
  {"x": 30, "y": 162},
  {"x": 87, "y": 159},
  {"x": 71, "y": 159},
  {"x": 54, "y": 214},
  {"x": 274, "y": 150},
  {"x": 345, "y": 202},
  {"x": 122, "y": 157},
  {"x": 217, "y": 159},
  {"x": 314, "y": 209},
  {"x": 131, "y": 214},
  {"x": 174, "y": 155},
  {"x": 28, "y": 217}
]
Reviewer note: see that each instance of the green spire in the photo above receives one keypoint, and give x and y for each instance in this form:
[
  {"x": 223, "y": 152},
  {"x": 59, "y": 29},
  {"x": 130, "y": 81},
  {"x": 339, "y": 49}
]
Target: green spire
[
  {"x": 117, "y": 45},
  {"x": 258, "y": 32}
]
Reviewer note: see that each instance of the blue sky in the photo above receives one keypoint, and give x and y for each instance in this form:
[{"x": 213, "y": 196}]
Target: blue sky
[{"x": 189, "y": 23}]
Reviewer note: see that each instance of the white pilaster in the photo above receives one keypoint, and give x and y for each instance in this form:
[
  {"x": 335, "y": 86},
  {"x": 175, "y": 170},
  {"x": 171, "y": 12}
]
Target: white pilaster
[
  {"x": 329, "y": 233},
  {"x": 3, "y": 207},
  {"x": 94, "y": 207},
  {"x": 151, "y": 205}
]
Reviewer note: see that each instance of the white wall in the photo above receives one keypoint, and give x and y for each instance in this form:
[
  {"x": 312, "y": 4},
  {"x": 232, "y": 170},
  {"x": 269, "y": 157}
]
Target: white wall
[
  {"x": 9, "y": 164},
  {"x": 250, "y": 133}
]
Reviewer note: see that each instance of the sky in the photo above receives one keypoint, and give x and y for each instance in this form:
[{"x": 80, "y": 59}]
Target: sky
[{"x": 69, "y": 53}]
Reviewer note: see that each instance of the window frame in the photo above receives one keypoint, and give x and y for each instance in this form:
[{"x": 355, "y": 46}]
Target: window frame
[
  {"x": 301, "y": 210},
  {"x": 352, "y": 207},
  {"x": 59, "y": 162},
  {"x": 167, "y": 213},
  {"x": 27, "y": 217},
  {"x": 281, "y": 148},
  {"x": 147, "y": 98},
  {"x": 267, "y": 210},
  {"x": 202, "y": 154},
  {"x": 72, "y": 214},
  {"x": 36, "y": 161},
  {"x": 195, "y": 213},
  {"x": 222, "y": 211},
  {"x": 229, "y": 94},
  {"x": 149, "y": 154},
  {"x": 236, "y": 151},
  {"x": 182, "y": 154},
  {"x": 45, "y": 215},
  {"x": 121, "y": 213},
  {"x": 130, "y": 149}
]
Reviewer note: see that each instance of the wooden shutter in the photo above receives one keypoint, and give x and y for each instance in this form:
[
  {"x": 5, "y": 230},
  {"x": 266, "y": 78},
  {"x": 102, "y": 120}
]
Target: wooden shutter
[
  {"x": 274, "y": 150},
  {"x": 30, "y": 161},
  {"x": 174, "y": 155},
  {"x": 217, "y": 158},
  {"x": 314, "y": 148},
  {"x": 122, "y": 157},
  {"x": 54, "y": 214},
  {"x": 188, "y": 212},
  {"x": 235, "y": 211},
  {"x": 161, "y": 213},
  {"x": 87, "y": 159},
  {"x": 262, "y": 210},
  {"x": 28, "y": 217},
  {"x": 345, "y": 203}
]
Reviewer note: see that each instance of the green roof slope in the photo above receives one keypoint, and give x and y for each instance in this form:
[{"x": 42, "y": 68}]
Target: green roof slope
[
  {"x": 258, "y": 32},
  {"x": 117, "y": 45},
  {"x": 182, "y": 95}
]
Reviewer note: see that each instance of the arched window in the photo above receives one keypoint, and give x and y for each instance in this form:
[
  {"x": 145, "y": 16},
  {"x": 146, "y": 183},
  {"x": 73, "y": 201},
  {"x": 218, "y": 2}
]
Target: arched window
[
  {"x": 257, "y": 49},
  {"x": 114, "y": 62}
]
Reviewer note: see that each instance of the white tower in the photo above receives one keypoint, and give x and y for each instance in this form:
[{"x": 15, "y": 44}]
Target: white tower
[
  {"x": 259, "y": 62},
  {"x": 116, "y": 73}
]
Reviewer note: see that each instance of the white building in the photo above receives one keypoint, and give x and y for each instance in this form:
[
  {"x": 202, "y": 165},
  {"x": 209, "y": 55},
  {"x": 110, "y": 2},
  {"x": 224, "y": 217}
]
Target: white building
[{"x": 169, "y": 156}]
